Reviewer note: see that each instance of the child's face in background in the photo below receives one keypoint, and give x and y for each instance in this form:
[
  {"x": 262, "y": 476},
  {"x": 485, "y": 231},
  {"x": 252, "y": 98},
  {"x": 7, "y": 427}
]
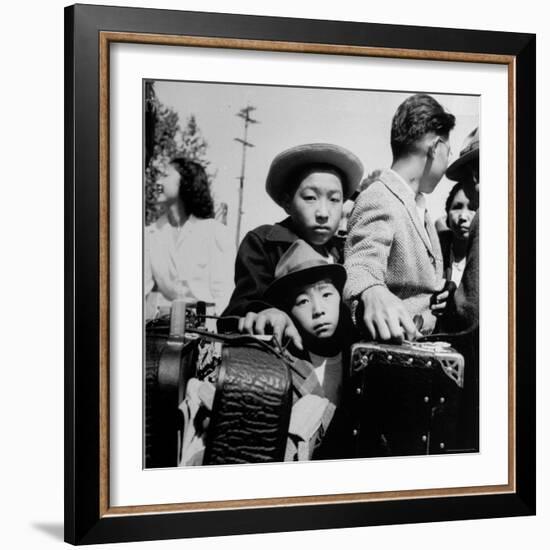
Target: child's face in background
[
  {"x": 460, "y": 216},
  {"x": 316, "y": 207},
  {"x": 317, "y": 309}
]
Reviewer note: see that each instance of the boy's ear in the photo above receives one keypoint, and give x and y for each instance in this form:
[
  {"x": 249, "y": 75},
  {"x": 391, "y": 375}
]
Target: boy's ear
[
  {"x": 431, "y": 149},
  {"x": 432, "y": 140},
  {"x": 285, "y": 202}
]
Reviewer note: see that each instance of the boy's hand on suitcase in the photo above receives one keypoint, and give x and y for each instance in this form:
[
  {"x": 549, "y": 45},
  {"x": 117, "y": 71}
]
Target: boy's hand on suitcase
[
  {"x": 385, "y": 315},
  {"x": 271, "y": 321}
]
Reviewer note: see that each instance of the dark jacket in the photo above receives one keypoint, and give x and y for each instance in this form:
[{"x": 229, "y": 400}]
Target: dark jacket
[
  {"x": 338, "y": 441},
  {"x": 462, "y": 312},
  {"x": 446, "y": 242},
  {"x": 258, "y": 255},
  {"x": 467, "y": 295}
]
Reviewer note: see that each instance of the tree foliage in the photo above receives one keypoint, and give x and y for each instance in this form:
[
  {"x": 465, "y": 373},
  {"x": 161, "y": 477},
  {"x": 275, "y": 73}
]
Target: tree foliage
[{"x": 193, "y": 143}]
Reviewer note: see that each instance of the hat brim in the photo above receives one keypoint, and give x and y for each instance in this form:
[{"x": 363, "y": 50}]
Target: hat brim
[
  {"x": 456, "y": 170},
  {"x": 301, "y": 156},
  {"x": 278, "y": 293}
]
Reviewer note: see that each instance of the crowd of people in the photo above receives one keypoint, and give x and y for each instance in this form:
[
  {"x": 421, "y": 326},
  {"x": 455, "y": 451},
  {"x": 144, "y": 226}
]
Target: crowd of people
[{"x": 396, "y": 278}]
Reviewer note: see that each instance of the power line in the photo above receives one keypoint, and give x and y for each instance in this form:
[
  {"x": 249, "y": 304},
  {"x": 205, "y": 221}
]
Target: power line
[{"x": 245, "y": 115}]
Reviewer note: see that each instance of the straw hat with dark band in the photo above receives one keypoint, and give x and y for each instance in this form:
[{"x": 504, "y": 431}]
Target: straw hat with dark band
[
  {"x": 288, "y": 162},
  {"x": 301, "y": 265},
  {"x": 468, "y": 154}
]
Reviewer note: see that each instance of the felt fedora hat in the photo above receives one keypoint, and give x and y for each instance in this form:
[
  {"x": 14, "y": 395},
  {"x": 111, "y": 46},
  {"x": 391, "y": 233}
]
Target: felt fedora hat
[
  {"x": 301, "y": 265},
  {"x": 291, "y": 160},
  {"x": 468, "y": 153}
]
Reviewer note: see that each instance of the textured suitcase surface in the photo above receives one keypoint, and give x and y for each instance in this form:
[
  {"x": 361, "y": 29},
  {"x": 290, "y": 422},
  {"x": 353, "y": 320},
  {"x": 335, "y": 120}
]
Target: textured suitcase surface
[
  {"x": 406, "y": 399},
  {"x": 251, "y": 410}
]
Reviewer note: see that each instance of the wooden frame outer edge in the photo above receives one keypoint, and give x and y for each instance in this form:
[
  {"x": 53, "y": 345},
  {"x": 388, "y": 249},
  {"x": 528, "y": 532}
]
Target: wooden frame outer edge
[
  {"x": 512, "y": 274},
  {"x": 300, "y": 47},
  {"x": 104, "y": 259},
  {"x": 105, "y": 39}
]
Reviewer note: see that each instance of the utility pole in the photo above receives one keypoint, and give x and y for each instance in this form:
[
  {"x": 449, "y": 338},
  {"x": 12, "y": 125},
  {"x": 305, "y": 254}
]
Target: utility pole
[{"x": 244, "y": 114}]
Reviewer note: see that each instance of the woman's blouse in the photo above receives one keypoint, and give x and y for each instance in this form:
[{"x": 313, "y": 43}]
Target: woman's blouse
[{"x": 193, "y": 263}]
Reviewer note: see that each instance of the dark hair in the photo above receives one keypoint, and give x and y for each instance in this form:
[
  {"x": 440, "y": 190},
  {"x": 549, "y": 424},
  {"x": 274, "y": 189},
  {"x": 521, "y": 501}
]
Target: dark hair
[
  {"x": 300, "y": 173},
  {"x": 452, "y": 194},
  {"x": 194, "y": 189},
  {"x": 471, "y": 195},
  {"x": 414, "y": 118}
]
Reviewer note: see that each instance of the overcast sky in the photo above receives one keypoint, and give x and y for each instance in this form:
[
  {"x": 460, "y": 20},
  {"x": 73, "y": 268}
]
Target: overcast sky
[{"x": 357, "y": 119}]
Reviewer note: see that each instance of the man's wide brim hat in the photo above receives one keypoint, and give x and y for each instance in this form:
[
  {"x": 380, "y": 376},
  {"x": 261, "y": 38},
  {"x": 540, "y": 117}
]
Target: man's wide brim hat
[
  {"x": 301, "y": 265},
  {"x": 287, "y": 163},
  {"x": 469, "y": 153}
]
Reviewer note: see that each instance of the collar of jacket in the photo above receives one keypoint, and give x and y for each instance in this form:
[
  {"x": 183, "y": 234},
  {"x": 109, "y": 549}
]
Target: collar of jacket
[
  {"x": 283, "y": 232},
  {"x": 162, "y": 222},
  {"x": 397, "y": 187},
  {"x": 304, "y": 377}
]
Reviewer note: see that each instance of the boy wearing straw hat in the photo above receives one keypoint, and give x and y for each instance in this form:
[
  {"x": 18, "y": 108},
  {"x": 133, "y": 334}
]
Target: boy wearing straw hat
[{"x": 310, "y": 182}]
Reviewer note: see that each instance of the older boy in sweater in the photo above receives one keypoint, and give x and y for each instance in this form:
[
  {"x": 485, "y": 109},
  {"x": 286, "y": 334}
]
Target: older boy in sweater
[{"x": 392, "y": 254}]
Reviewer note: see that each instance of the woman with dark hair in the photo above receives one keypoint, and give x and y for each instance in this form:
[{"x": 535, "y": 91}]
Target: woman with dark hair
[
  {"x": 188, "y": 254},
  {"x": 460, "y": 207}
]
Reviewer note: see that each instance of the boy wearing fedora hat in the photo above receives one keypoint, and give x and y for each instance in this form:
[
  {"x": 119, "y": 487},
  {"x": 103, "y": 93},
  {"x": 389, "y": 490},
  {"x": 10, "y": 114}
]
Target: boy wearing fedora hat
[
  {"x": 308, "y": 288},
  {"x": 466, "y": 167},
  {"x": 310, "y": 182},
  {"x": 393, "y": 255}
]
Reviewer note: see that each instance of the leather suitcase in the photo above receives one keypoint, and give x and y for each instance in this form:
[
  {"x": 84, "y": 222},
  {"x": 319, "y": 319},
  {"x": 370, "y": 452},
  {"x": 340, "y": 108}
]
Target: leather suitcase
[
  {"x": 251, "y": 409},
  {"x": 170, "y": 358},
  {"x": 406, "y": 399}
]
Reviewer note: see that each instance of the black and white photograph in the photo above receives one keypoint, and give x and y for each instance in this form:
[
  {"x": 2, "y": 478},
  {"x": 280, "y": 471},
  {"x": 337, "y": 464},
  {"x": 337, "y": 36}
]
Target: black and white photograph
[
  {"x": 284, "y": 311},
  {"x": 310, "y": 273}
]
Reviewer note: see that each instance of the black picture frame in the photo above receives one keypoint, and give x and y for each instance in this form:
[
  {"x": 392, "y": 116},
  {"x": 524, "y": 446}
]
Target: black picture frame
[{"x": 88, "y": 518}]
